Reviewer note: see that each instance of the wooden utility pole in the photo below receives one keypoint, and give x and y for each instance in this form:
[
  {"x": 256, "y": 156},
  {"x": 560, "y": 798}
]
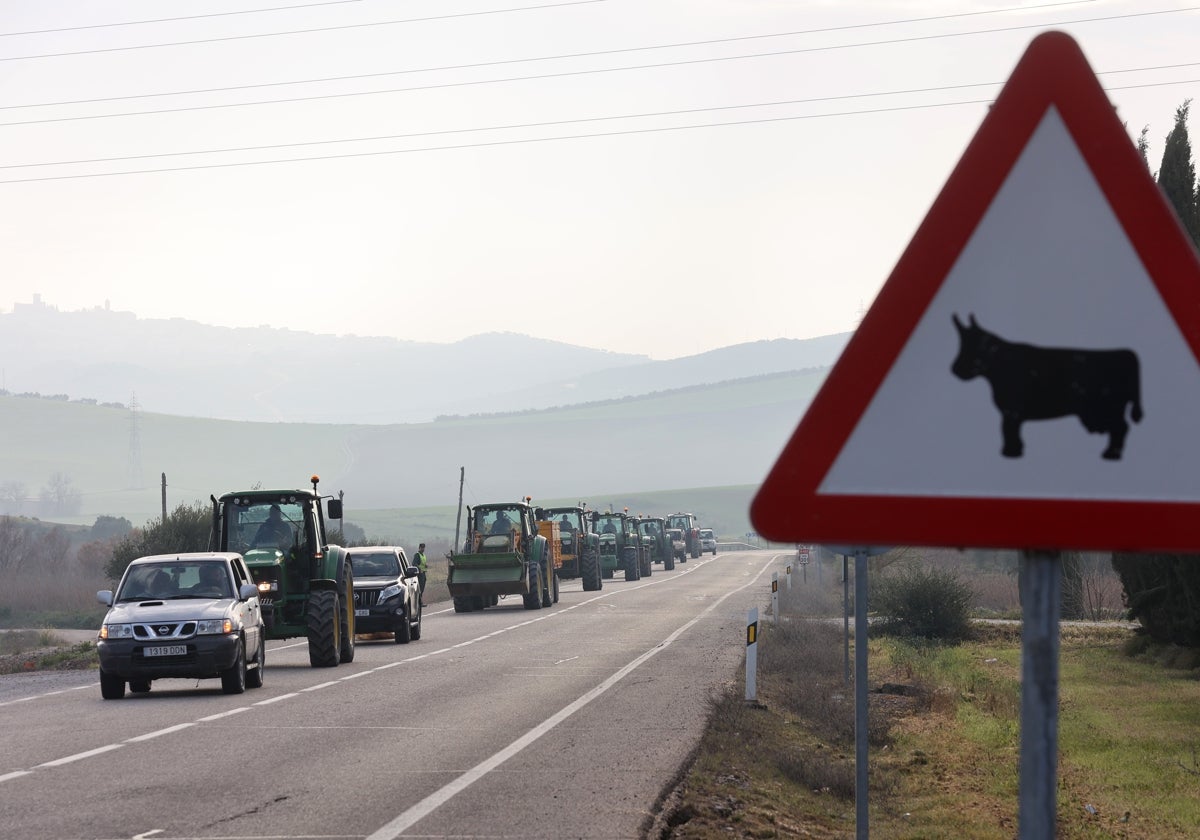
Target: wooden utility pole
[
  {"x": 164, "y": 497},
  {"x": 462, "y": 477}
]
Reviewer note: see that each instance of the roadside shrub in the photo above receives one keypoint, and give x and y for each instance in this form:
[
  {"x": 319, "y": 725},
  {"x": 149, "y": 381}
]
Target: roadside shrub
[
  {"x": 918, "y": 601},
  {"x": 186, "y": 528}
]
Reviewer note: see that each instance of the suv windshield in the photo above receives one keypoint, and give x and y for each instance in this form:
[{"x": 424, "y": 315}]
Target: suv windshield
[
  {"x": 375, "y": 564},
  {"x": 174, "y": 580},
  {"x": 706, "y": 534}
]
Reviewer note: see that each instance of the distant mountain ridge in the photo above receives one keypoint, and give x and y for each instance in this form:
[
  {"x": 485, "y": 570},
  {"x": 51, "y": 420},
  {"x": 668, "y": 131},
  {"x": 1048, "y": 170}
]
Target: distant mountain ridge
[{"x": 181, "y": 367}]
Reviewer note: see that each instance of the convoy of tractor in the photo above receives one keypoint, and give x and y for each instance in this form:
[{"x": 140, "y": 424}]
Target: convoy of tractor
[{"x": 279, "y": 577}]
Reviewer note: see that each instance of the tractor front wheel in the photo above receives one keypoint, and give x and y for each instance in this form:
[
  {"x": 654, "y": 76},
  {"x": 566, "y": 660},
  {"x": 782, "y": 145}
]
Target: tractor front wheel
[{"x": 533, "y": 598}]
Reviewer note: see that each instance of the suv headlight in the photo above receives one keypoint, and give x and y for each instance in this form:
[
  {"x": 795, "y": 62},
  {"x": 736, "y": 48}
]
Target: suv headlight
[
  {"x": 389, "y": 592},
  {"x": 214, "y": 626},
  {"x": 116, "y": 631}
]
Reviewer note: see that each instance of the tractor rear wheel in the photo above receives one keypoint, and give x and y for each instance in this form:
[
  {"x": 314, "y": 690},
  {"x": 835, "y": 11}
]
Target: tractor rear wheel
[
  {"x": 629, "y": 560},
  {"x": 324, "y": 629},
  {"x": 589, "y": 570},
  {"x": 669, "y": 559},
  {"x": 463, "y": 603},
  {"x": 346, "y": 613},
  {"x": 647, "y": 565}
]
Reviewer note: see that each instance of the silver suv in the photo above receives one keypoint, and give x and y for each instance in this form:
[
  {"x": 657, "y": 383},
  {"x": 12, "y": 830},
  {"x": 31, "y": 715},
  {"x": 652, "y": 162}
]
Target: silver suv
[
  {"x": 195, "y": 616},
  {"x": 708, "y": 541}
]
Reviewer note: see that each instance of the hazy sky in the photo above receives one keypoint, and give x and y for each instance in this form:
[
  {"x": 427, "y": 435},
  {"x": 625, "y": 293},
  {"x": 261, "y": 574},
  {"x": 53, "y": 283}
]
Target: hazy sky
[{"x": 650, "y": 176}]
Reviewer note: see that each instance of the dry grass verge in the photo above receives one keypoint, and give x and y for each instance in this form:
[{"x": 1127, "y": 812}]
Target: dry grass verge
[{"x": 945, "y": 741}]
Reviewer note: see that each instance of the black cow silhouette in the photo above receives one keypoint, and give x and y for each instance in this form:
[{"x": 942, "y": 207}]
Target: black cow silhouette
[{"x": 1042, "y": 383}]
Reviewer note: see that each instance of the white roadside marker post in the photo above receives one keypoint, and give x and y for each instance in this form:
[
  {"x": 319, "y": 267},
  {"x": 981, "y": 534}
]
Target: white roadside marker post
[
  {"x": 775, "y": 597},
  {"x": 789, "y": 577},
  {"x": 751, "y": 654}
]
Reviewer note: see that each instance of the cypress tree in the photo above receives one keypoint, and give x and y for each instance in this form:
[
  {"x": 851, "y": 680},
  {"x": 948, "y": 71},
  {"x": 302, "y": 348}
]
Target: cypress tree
[{"x": 1177, "y": 174}]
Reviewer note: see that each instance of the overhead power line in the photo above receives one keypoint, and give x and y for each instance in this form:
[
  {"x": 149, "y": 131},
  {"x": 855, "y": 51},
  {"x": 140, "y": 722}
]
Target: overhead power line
[
  {"x": 541, "y": 76},
  {"x": 528, "y": 140},
  {"x": 304, "y": 31},
  {"x": 577, "y": 121},
  {"x": 175, "y": 19},
  {"x": 563, "y": 56}
]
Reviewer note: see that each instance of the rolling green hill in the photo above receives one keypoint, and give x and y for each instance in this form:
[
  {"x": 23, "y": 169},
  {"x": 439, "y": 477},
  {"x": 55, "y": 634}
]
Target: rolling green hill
[{"x": 714, "y": 436}]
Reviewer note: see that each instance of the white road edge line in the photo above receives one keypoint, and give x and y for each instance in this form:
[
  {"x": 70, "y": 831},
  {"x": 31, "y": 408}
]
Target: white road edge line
[
  {"x": 58, "y": 762},
  {"x": 40, "y": 696},
  {"x": 406, "y": 819},
  {"x": 166, "y": 731}
]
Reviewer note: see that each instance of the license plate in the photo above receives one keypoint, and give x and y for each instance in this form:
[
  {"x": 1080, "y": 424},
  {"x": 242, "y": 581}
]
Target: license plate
[
  {"x": 165, "y": 650},
  {"x": 362, "y": 613}
]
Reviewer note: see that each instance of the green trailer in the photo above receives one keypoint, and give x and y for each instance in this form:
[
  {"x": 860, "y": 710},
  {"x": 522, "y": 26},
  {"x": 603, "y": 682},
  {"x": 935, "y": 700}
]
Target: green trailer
[
  {"x": 502, "y": 555},
  {"x": 305, "y": 585}
]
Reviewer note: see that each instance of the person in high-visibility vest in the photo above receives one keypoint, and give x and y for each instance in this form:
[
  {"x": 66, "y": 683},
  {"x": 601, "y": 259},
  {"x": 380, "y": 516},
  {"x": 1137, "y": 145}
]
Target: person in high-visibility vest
[{"x": 422, "y": 565}]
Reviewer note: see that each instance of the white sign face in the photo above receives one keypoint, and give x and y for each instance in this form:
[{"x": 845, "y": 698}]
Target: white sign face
[{"x": 1050, "y": 266}]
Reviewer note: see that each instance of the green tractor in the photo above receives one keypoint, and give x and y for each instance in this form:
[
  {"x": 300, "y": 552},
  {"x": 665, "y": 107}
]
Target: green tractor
[
  {"x": 580, "y": 545},
  {"x": 503, "y": 555},
  {"x": 620, "y": 544},
  {"x": 305, "y": 585},
  {"x": 654, "y": 529}
]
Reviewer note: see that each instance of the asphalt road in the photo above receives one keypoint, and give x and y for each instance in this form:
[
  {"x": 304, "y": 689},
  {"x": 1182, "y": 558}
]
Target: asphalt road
[{"x": 556, "y": 723}]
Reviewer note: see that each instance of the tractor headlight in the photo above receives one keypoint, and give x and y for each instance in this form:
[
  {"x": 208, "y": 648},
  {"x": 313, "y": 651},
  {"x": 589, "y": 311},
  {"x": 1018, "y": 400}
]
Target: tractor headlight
[
  {"x": 388, "y": 592},
  {"x": 268, "y": 586},
  {"x": 214, "y": 626},
  {"x": 116, "y": 631}
]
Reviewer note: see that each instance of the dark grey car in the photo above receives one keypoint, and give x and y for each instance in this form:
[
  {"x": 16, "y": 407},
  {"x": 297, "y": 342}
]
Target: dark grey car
[
  {"x": 194, "y": 616},
  {"x": 387, "y": 596}
]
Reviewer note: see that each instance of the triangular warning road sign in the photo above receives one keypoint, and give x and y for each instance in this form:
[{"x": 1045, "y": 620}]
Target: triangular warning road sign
[{"x": 1028, "y": 375}]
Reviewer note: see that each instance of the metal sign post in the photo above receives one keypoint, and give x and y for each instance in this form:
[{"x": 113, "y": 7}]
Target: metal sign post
[
  {"x": 861, "y": 820},
  {"x": 846, "y": 614},
  {"x": 1041, "y": 591}
]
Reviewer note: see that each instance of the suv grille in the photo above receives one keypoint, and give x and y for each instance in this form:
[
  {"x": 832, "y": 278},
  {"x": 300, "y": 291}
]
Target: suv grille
[
  {"x": 165, "y": 630},
  {"x": 364, "y": 598}
]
